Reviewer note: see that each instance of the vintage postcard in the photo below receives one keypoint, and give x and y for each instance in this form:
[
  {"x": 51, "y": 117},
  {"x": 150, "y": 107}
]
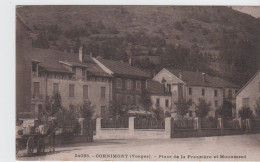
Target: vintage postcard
[{"x": 137, "y": 83}]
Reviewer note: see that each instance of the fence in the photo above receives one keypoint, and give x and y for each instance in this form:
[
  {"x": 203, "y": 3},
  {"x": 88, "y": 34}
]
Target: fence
[
  {"x": 209, "y": 123},
  {"x": 205, "y": 127},
  {"x": 151, "y": 123},
  {"x": 170, "y": 128},
  {"x": 231, "y": 123},
  {"x": 75, "y": 131},
  {"x": 136, "y": 129},
  {"x": 115, "y": 123},
  {"x": 183, "y": 124}
]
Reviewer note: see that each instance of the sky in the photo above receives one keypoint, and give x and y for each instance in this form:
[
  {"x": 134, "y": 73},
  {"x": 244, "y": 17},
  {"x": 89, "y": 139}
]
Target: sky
[{"x": 254, "y": 11}]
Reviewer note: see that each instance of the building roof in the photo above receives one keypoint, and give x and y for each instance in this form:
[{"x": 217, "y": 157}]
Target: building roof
[
  {"x": 155, "y": 87},
  {"x": 50, "y": 60},
  {"x": 248, "y": 82},
  {"x": 122, "y": 68},
  {"x": 196, "y": 79}
]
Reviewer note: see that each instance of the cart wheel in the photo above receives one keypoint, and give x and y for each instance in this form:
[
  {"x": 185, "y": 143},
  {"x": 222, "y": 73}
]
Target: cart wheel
[
  {"x": 41, "y": 146},
  {"x": 30, "y": 145}
]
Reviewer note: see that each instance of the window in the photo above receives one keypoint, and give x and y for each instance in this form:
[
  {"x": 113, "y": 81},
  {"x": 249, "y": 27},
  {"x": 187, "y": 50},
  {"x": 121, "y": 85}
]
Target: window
[
  {"x": 245, "y": 102},
  {"x": 103, "y": 92},
  {"x": 215, "y": 92},
  {"x": 55, "y": 88},
  {"x": 166, "y": 103},
  {"x": 74, "y": 70},
  {"x": 36, "y": 88},
  {"x": 138, "y": 84},
  {"x": 230, "y": 93},
  {"x": 129, "y": 99},
  {"x": 168, "y": 88},
  {"x": 119, "y": 83},
  {"x": 216, "y": 103},
  {"x": 190, "y": 91},
  {"x": 203, "y": 92},
  {"x": 84, "y": 75},
  {"x": 138, "y": 99},
  {"x": 119, "y": 97},
  {"x": 71, "y": 90},
  {"x": 85, "y": 91},
  {"x": 158, "y": 101},
  {"x": 34, "y": 67},
  {"x": 128, "y": 84}
]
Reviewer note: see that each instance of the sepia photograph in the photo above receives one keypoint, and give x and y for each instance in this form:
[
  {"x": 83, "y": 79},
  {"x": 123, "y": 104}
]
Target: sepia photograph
[{"x": 137, "y": 83}]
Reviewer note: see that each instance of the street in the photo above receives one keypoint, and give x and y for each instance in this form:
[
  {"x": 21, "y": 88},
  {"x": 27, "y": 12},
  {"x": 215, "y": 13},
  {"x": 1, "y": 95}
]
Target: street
[{"x": 239, "y": 147}]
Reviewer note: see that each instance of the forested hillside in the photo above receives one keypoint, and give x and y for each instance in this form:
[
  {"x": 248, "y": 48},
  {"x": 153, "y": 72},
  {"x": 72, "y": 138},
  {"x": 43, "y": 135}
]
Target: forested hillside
[{"x": 216, "y": 40}]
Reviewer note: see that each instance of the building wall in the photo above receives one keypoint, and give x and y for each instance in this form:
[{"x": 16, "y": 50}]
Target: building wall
[
  {"x": 208, "y": 97},
  {"x": 179, "y": 89},
  {"x": 23, "y": 68},
  {"x": 251, "y": 91},
  {"x": 231, "y": 98},
  {"x": 94, "y": 92},
  {"x": 124, "y": 91},
  {"x": 162, "y": 100}
]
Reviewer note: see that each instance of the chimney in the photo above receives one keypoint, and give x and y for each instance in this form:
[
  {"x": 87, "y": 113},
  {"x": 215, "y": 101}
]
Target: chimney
[
  {"x": 204, "y": 77},
  {"x": 80, "y": 54},
  {"x": 130, "y": 61},
  {"x": 180, "y": 75}
]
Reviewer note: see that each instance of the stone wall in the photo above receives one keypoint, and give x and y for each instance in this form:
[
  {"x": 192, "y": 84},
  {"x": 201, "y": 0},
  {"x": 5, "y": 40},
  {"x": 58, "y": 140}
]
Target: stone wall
[{"x": 131, "y": 133}]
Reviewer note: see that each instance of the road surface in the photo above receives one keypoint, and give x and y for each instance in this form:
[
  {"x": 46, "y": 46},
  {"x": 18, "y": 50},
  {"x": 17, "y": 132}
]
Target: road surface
[{"x": 235, "y": 148}]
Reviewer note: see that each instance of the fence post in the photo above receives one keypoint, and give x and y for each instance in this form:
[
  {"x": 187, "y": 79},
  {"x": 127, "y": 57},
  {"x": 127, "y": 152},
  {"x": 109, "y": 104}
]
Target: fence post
[
  {"x": 168, "y": 127},
  {"x": 131, "y": 125},
  {"x": 248, "y": 125},
  {"x": 197, "y": 123},
  {"x": 81, "y": 124},
  {"x": 98, "y": 127},
  {"x": 220, "y": 123},
  {"x": 240, "y": 123}
]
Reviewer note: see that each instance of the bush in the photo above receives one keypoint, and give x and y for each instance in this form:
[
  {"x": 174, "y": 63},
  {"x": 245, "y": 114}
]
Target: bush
[
  {"x": 179, "y": 26},
  {"x": 182, "y": 107},
  {"x": 245, "y": 113},
  {"x": 158, "y": 113},
  {"x": 86, "y": 110},
  {"x": 225, "y": 110},
  {"x": 202, "y": 108}
]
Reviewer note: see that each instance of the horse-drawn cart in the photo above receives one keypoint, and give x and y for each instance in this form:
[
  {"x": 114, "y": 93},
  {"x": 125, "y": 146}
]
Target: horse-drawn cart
[
  {"x": 31, "y": 142},
  {"x": 35, "y": 136}
]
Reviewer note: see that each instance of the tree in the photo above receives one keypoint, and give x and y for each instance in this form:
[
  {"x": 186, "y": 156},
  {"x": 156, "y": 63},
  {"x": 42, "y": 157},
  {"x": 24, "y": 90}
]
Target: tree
[
  {"x": 202, "y": 108},
  {"x": 146, "y": 101},
  {"x": 182, "y": 107},
  {"x": 53, "y": 104},
  {"x": 225, "y": 110},
  {"x": 86, "y": 110},
  {"x": 117, "y": 108},
  {"x": 245, "y": 113},
  {"x": 158, "y": 113}
]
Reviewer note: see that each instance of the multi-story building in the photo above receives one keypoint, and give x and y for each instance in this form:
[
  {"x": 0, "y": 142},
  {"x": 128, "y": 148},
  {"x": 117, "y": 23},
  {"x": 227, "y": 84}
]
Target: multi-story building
[
  {"x": 249, "y": 94},
  {"x": 76, "y": 77},
  {"x": 128, "y": 82},
  {"x": 159, "y": 95},
  {"x": 194, "y": 85}
]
